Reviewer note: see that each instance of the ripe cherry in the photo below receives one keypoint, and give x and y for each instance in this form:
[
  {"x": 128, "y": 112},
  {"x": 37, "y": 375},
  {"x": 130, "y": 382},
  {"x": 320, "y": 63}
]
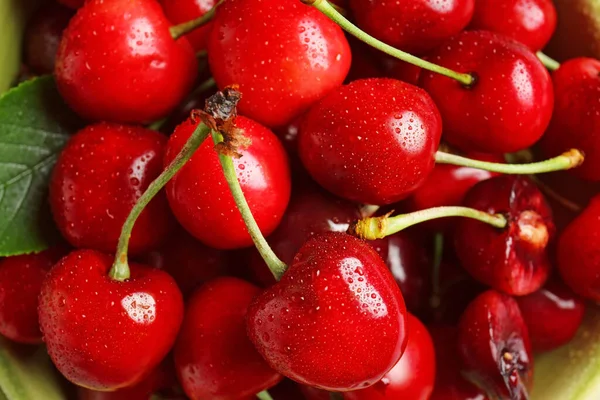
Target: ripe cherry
[
  {"x": 283, "y": 54},
  {"x": 118, "y": 62},
  {"x": 104, "y": 334},
  {"x": 336, "y": 299},
  {"x": 97, "y": 179},
  {"x": 508, "y": 106},
  {"x": 178, "y": 12},
  {"x": 214, "y": 358},
  {"x": 72, "y": 3}
]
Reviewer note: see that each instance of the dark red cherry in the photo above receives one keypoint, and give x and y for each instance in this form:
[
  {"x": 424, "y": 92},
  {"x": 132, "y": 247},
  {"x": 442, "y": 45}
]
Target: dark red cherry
[
  {"x": 313, "y": 393},
  {"x": 576, "y": 117},
  {"x": 336, "y": 319},
  {"x": 104, "y": 334},
  {"x": 552, "y": 315},
  {"x": 514, "y": 259},
  {"x": 289, "y": 390},
  {"x": 494, "y": 346},
  {"x": 416, "y": 26},
  {"x": 372, "y": 141},
  {"x": 201, "y": 200},
  {"x": 397, "y": 69},
  {"x": 180, "y": 11},
  {"x": 284, "y": 56},
  {"x": 72, "y": 3},
  {"x": 98, "y": 177},
  {"x": 118, "y": 62},
  {"x": 412, "y": 377},
  {"x": 509, "y": 105},
  {"x": 531, "y": 22}
]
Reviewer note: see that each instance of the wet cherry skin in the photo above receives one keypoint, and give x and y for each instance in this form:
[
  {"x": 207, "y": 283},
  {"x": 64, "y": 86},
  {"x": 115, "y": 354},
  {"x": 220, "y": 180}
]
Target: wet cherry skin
[
  {"x": 99, "y": 175},
  {"x": 371, "y": 141},
  {"x": 509, "y": 106},
  {"x": 104, "y": 334},
  {"x": 214, "y": 358},
  {"x": 336, "y": 319},
  {"x": 118, "y": 62},
  {"x": 283, "y": 54},
  {"x": 201, "y": 200},
  {"x": 180, "y": 11},
  {"x": 72, "y": 3}
]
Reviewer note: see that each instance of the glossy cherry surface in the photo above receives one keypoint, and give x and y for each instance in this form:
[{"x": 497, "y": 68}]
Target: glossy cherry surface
[
  {"x": 283, "y": 54},
  {"x": 372, "y": 141},
  {"x": 336, "y": 320},
  {"x": 509, "y": 106},
  {"x": 201, "y": 200},
  {"x": 98, "y": 177},
  {"x": 104, "y": 334},
  {"x": 118, "y": 62},
  {"x": 180, "y": 11}
]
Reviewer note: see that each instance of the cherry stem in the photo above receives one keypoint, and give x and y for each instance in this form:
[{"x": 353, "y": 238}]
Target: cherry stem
[
  {"x": 264, "y": 395},
  {"x": 178, "y": 31},
  {"x": 276, "y": 266},
  {"x": 548, "y": 62},
  {"x": 570, "y": 159},
  {"x": 335, "y": 16},
  {"x": 120, "y": 267},
  {"x": 379, "y": 227}
]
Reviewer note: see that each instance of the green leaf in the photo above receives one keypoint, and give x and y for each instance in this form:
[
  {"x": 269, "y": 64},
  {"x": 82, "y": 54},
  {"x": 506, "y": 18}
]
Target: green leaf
[{"x": 35, "y": 124}]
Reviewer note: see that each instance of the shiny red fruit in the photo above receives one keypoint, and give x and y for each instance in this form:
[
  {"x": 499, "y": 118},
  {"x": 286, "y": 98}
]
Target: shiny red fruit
[
  {"x": 336, "y": 319},
  {"x": 372, "y": 141},
  {"x": 283, "y": 54},
  {"x": 180, "y": 11},
  {"x": 99, "y": 176},
  {"x": 509, "y": 105},
  {"x": 201, "y": 200},
  {"x": 118, "y": 62},
  {"x": 104, "y": 334}
]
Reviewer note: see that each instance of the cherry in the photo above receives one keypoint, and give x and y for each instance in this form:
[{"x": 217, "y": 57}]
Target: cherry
[
  {"x": 213, "y": 357},
  {"x": 552, "y": 315},
  {"x": 494, "y": 346},
  {"x": 312, "y": 393},
  {"x": 531, "y": 22},
  {"x": 118, "y": 62},
  {"x": 336, "y": 299},
  {"x": 201, "y": 200},
  {"x": 104, "y": 334},
  {"x": 72, "y": 3},
  {"x": 403, "y": 71},
  {"x": 416, "y": 26},
  {"x": 372, "y": 141},
  {"x": 179, "y": 11},
  {"x": 513, "y": 259},
  {"x": 283, "y": 55},
  {"x": 508, "y": 106},
  {"x": 97, "y": 179},
  {"x": 576, "y": 115}
]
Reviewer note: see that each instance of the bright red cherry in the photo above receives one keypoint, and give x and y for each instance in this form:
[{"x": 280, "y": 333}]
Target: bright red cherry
[
  {"x": 509, "y": 105},
  {"x": 283, "y": 54},
  {"x": 336, "y": 319},
  {"x": 201, "y": 200},
  {"x": 214, "y": 358},
  {"x": 180, "y": 11},
  {"x": 372, "y": 141},
  {"x": 416, "y": 26},
  {"x": 104, "y": 334},
  {"x": 531, "y": 22},
  {"x": 118, "y": 62},
  {"x": 98, "y": 177}
]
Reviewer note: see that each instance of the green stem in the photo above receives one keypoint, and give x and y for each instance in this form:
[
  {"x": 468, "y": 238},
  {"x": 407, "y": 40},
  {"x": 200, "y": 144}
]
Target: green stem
[
  {"x": 178, "y": 31},
  {"x": 548, "y": 62},
  {"x": 120, "y": 267},
  {"x": 276, "y": 266},
  {"x": 570, "y": 159},
  {"x": 264, "y": 395},
  {"x": 335, "y": 16}
]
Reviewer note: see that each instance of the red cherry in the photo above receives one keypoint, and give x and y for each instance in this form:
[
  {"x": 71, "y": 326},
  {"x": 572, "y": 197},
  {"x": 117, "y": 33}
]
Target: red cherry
[
  {"x": 284, "y": 56},
  {"x": 412, "y": 377},
  {"x": 97, "y": 179},
  {"x": 576, "y": 115},
  {"x": 531, "y": 22},
  {"x": 372, "y": 141},
  {"x": 104, "y": 334},
  {"x": 336, "y": 320},
  {"x": 213, "y": 357},
  {"x": 403, "y": 71},
  {"x": 416, "y": 26},
  {"x": 509, "y": 105},
  {"x": 72, "y": 3},
  {"x": 201, "y": 200},
  {"x": 118, "y": 62},
  {"x": 513, "y": 259},
  {"x": 180, "y": 11}
]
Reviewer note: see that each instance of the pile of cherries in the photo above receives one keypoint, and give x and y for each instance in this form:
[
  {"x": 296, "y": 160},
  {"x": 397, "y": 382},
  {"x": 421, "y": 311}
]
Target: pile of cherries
[{"x": 337, "y": 150}]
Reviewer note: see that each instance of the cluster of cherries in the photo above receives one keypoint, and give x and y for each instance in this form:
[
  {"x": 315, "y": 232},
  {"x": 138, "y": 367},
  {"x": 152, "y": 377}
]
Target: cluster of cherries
[{"x": 335, "y": 153}]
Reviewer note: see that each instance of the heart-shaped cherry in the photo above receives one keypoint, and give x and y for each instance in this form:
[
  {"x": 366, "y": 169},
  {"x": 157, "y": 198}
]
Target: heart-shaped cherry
[
  {"x": 180, "y": 11},
  {"x": 105, "y": 334}
]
